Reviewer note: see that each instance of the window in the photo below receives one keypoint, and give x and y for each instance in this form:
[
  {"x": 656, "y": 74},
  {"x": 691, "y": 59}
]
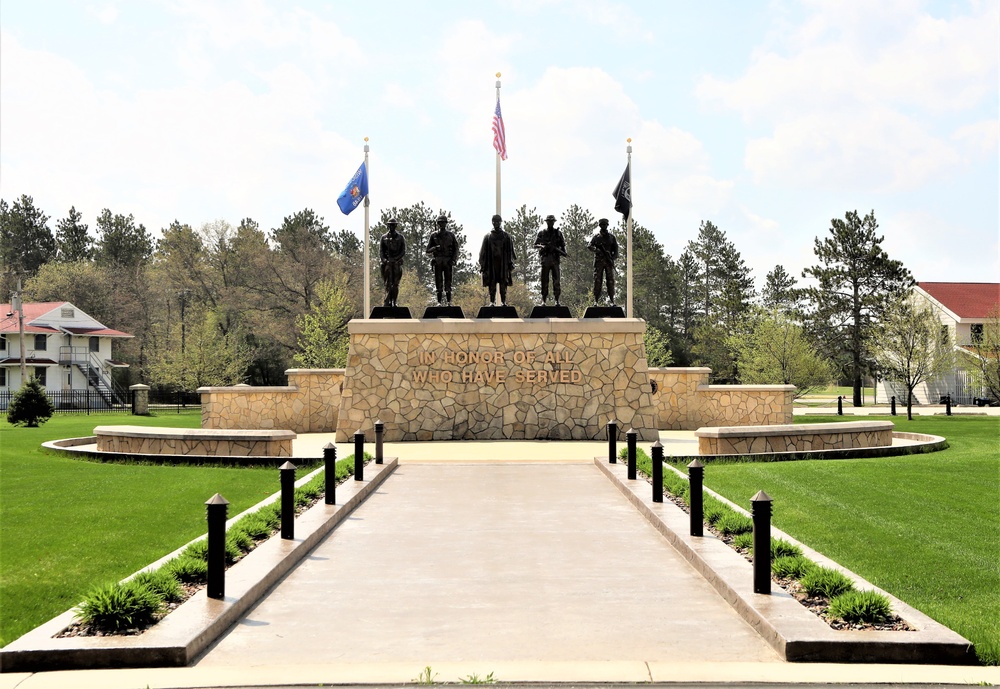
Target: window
[
  {"x": 95, "y": 344},
  {"x": 944, "y": 334},
  {"x": 41, "y": 342},
  {"x": 3, "y": 343},
  {"x": 3, "y": 377},
  {"x": 41, "y": 375},
  {"x": 67, "y": 313},
  {"x": 976, "y": 330}
]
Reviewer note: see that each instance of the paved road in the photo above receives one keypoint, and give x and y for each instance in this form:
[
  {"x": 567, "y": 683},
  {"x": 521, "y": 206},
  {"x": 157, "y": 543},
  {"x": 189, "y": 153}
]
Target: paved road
[{"x": 491, "y": 562}]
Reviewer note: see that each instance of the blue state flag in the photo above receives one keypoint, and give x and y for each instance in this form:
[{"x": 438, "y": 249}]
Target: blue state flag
[{"x": 355, "y": 191}]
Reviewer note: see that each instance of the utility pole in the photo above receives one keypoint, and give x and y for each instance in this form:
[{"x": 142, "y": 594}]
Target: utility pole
[{"x": 18, "y": 305}]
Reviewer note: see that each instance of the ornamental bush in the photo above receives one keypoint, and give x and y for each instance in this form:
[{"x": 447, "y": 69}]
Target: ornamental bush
[
  {"x": 117, "y": 607},
  {"x": 30, "y": 406},
  {"x": 860, "y": 606}
]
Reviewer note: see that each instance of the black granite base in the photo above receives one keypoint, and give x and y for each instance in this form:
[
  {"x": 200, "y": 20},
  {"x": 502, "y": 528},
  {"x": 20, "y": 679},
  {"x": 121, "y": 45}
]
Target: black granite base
[
  {"x": 444, "y": 312},
  {"x": 545, "y": 311},
  {"x": 497, "y": 312},
  {"x": 390, "y": 312},
  {"x": 604, "y": 312}
]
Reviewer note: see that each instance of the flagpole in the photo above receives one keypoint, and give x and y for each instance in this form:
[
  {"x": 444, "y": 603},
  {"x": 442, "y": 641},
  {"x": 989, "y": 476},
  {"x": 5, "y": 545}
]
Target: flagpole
[
  {"x": 498, "y": 152},
  {"x": 367, "y": 254},
  {"x": 628, "y": 261}
]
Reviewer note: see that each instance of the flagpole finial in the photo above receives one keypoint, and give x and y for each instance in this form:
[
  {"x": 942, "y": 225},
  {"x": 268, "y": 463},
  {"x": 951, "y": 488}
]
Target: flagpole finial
[
  {"x": 498, "y": 75},
  {"x": 366, "y": 144}
]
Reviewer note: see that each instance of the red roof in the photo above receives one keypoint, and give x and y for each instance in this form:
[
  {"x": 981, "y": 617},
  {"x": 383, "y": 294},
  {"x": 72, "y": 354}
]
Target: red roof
[
  {"x": 965, "y": 299},
  {"x": 35, "y": 310}
]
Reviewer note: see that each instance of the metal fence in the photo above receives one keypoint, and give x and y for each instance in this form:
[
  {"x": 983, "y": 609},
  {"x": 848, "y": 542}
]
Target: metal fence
[
  {"x": 77, "y": 402},
  {"x": 178, "y": 401}
]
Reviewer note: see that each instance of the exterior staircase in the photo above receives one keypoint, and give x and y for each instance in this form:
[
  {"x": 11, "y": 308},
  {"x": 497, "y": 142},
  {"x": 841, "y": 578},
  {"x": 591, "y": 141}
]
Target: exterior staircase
[{"x": 87, "y": 363}]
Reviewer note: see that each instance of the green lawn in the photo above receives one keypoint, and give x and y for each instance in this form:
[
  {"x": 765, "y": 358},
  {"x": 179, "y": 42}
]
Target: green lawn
[
  {"x": 67, "y": 525},
  {"x": 926, "y": 527}
]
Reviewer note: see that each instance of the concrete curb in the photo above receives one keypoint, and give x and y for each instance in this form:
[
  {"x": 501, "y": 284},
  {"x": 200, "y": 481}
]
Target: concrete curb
[
  {"x": 794, "y": 632},
  {"x": 198, "y": 622}
]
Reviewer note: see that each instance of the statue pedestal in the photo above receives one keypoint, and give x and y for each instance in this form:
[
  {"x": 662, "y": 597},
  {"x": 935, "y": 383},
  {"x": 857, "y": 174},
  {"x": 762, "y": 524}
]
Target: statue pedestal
[
  {"x": 544, "y": 311},
  {"x": 604, "y": 312},
  {"x": 390, "y": 312},
  {"x": 444, "y": 312},
  {"x": 497, "y": 312},
  {"x": 555, "y": 379}
]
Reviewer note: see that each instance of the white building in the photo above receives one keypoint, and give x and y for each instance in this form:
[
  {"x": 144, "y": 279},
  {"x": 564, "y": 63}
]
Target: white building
[
  {"x": 65, "y": 349},
  {"x": 964, "y": 308}
]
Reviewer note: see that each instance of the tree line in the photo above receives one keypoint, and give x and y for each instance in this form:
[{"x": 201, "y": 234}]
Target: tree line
[{"x": 220, "y": 304}]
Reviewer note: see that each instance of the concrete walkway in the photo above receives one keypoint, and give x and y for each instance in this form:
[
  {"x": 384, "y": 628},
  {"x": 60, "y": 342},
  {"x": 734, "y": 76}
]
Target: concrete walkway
[{"x": 491, "y": 563}]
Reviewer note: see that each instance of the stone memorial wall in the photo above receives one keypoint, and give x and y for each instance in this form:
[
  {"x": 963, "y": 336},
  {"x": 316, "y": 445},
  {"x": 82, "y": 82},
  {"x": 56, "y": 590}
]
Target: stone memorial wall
[{"x": 497, "y": 379}]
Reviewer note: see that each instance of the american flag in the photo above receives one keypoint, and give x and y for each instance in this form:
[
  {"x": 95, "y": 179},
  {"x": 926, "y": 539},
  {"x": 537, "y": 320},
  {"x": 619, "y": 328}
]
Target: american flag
[{"x": 499, "y": 139}]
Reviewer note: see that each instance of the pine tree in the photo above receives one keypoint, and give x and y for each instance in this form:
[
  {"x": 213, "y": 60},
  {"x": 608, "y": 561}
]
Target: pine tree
[
  {"x": 73, "y": 243},
  {"x": 779, "y": 291},
  {"x": 522, "y": 230},
  {"x": 29, "y": 406},
  {"x": 856, "y": 284},
  {"x": 26, "y": 242}
]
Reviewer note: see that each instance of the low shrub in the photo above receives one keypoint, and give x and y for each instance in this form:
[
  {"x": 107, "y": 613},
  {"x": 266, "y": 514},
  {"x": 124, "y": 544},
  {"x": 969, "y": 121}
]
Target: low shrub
[
  {"x": 162, "y": 582},
  {"x": 743, "y": 541},
  {"x": 823, "y": 581},
  {"x": 791, "y": 566},
  {"x": 734, "y": 523},
  {"x": 117, "y": 607},
  {"x": 238, "y": 538},
  {"x": 713, "y": 511},
  {"x": 782, "y": 548},
  {"x": 255, "y": 526},
  {"x": 188, "y": 569},
  {"x": 860, "y": 606}
]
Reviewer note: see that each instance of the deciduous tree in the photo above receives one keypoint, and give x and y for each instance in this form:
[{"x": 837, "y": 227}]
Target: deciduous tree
[
  {"x": 986, "y": 354},
  {"x": 911, "y": 347},
  {"x": 773, "y": 350},
  {"x": 322, "y": 331}
]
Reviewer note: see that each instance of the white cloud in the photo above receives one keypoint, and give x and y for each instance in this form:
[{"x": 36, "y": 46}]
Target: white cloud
[
  {"x": 106, "y": 12},
  {"x": 154, "y": 153},
  {"x": 853, "y": 96}
]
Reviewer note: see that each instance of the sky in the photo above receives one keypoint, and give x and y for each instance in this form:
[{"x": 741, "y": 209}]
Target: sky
[{"x": 766, "y": 118}]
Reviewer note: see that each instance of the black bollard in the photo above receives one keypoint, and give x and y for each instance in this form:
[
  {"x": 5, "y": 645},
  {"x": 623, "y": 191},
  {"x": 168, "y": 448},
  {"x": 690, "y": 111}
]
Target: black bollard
[
  {"x": 631, "y": 436},
  {"x": 696, "y": 478},
  {"x": 287, "y": 472},
  {"x": 359, "y": 456},
  {"x": 840, "y": 405},
  {"x": 612, "y": 437},
  {"x": 760, "y": 508},
  {"x": 379, "y": 431},
  {"x": 330, "y": 473},
  {"x": 947, "y": 405},
  {"x": 217, "y": 506},
  {"x": 657, "y": 472},
  {"x": 892, "y": 405}
]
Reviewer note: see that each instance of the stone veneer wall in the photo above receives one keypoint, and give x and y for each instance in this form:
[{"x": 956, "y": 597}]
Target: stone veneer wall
[
  {"x": 496, "y": 379},
  {"x": 685, "y": 401},
  {"x": 784, "y": 438},
  {"x": 188, "y": 442},
  {"x": 308, "y": 404}
]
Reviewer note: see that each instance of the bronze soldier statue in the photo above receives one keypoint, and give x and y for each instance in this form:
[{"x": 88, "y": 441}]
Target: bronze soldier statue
[
  {"x": 605, "y": 248},
  {"x": 392, "y": 249},
  {"x": 442, "y": 247},
  {"x": 496, "y": 262},
  {"x": 551, "y": 248}
]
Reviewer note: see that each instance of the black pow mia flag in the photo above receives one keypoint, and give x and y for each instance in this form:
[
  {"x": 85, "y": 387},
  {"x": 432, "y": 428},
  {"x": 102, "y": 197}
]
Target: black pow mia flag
[{"x": 623, "y": 192}]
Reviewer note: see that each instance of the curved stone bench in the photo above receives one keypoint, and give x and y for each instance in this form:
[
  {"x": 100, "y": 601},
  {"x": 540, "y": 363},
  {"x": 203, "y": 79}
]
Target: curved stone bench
[
  {"x": 739, "y": 440},
  {"x": 207, "y": 442}
]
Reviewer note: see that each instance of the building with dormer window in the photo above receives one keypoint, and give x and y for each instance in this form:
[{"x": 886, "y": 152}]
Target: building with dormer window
[{"x": 68, "y": 351}]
